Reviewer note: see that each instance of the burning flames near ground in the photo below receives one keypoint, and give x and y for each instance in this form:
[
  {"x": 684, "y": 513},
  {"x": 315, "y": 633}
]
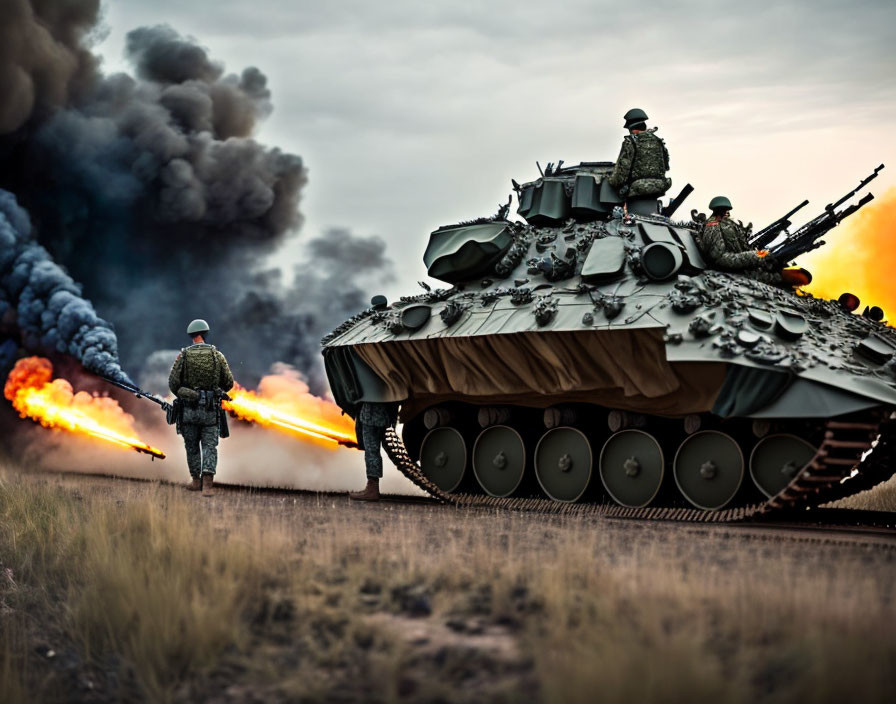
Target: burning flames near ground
[
  {"x": 54, "y": 404},
  {"x": 859, "y": 257},
  {"x": 283, "y": 402}
]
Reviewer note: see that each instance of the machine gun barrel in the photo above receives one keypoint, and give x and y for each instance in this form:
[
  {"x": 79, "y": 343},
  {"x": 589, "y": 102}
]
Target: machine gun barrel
[
  {"x": 806, "y": 238},
  {"x": 767, "y": 234},
  {"x": 864, "y": 182}
]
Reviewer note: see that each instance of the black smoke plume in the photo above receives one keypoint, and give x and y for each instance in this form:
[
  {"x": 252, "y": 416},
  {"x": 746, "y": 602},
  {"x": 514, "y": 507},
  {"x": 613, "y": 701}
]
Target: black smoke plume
[
  {"x": 152, "y": 192},
  {"x": 44, "y": 304}
]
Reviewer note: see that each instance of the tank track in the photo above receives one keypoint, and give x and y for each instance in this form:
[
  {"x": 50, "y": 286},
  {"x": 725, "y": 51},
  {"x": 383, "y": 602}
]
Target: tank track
[{"x": 839, "y": 469}]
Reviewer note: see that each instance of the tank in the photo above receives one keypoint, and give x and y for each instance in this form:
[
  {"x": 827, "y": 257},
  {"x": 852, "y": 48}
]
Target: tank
[{"x": 585, "y": 352}]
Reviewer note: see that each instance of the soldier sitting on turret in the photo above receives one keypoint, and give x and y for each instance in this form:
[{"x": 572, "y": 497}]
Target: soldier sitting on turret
[
  {"x": 640, "y": 170},
  {"x": 725, "y": 244}
]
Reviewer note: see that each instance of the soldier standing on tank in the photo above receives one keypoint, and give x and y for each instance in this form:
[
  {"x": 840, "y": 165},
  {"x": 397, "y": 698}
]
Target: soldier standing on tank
[
  {"x": 200, "y": 378},
  {"x": 726, "y": 245},
  {"x": 370, "y": 427},
  {"x": 640, "y": 170}
]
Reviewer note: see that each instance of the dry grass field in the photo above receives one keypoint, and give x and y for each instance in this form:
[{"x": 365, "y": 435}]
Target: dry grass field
[{"x": 114, "y": 590}]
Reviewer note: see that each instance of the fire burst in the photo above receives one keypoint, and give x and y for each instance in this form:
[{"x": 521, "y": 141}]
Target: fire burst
[
  {"x": 860, "y": 258},
  {"x": 54, "y": 404},
  {"x": 284, "y": 402}
]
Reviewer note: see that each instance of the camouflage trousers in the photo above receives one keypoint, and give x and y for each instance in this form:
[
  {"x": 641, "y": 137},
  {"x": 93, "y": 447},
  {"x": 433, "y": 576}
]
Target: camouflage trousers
[
  {"x": 200, "y": 431},
  {"x": 644, "y": 187},
  {"x": 372, "y": 437}
]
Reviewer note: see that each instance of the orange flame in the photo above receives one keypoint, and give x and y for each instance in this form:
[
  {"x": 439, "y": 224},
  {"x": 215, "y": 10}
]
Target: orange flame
[
  {"x": 284, "y": 402},
  {"x": 54, "y": 404},
  {"x": 859, "y": 257}
]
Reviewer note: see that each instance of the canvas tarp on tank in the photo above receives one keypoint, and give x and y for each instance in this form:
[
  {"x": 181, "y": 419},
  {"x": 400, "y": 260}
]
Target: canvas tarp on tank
[{"x": 625, "y": 369}]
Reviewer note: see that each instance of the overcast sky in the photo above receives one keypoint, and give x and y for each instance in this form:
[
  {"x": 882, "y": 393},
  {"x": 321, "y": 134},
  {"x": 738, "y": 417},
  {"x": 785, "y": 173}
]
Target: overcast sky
[{"x": 410, "y": 115}]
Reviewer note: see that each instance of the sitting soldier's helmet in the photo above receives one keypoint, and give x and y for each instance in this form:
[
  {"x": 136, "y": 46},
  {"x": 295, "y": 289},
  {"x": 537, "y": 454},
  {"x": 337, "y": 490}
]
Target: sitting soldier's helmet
[
  {"x": 720, "y": 203},
  {"x": 197, "y": 327},
  {"x": 634, "y": 116}
]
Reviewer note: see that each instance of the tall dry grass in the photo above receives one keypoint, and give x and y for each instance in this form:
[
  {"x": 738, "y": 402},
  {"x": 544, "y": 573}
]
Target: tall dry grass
[
  {"x": 144, "y": 583},
  {"x": 278, "y": 598}
]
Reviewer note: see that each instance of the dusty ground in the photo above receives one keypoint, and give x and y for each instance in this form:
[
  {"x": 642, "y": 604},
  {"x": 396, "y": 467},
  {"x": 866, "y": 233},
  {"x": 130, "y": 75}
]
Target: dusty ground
[{"x": 308, "y": 597}]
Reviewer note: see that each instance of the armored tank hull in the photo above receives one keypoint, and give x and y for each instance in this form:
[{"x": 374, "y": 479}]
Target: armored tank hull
[{"x": 588, "y": 354}]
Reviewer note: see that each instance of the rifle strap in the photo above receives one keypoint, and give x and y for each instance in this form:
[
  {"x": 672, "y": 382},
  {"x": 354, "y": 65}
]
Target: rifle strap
[
  {"x": 631, "y": 167},
  {"x": 217, "y": 365}
]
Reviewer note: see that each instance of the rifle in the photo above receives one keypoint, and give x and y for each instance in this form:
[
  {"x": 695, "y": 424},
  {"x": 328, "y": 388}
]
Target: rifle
[
  {"x": 767, "y": 234},
  {"x": 139, "y": 393},
  {"x": 807, "y": 237}
]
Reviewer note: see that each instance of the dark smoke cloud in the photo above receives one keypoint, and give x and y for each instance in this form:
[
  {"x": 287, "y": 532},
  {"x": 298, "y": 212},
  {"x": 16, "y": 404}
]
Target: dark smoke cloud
[
  {"x": 43, "y": 303},
  {"x": 151, "y": 191},
  {"x": 333, "y": 283},
  {"x": 43, "y": 61}
]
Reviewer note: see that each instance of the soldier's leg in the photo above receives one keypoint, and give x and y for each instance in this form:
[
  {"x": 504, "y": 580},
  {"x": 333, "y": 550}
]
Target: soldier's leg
[
  {"x": 191, "y": 434},
  {"x": 209, "y": 449},
  {"x": 373, "y": 439}
]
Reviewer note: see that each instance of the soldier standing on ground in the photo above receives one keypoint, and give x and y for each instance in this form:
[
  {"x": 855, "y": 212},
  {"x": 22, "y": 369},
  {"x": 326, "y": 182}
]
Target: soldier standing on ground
[
  {"x": 200, "y": 378},
  {"x": 370, "y": 427},
  {"x": 640, "y": 170}
]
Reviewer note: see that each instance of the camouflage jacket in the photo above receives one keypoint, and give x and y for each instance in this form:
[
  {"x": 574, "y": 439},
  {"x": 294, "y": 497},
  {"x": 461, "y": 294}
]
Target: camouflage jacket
[
  {"x": 726, "y": 246},
  {"x": 199, "y": 367},
  {"x": 643, "y": 156}
]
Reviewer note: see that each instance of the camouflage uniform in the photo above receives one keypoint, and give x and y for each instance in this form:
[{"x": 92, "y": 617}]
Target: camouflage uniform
[
  {"x": 640, "y": 170},
  {"x": 200, "y": 367},
  {"x": 373, "y": 419},
  {"x": 726, "y": 246}
]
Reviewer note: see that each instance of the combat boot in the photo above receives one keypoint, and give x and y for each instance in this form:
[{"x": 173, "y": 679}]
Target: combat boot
[
  {"x": 371, "y": 492},
  {"x": 195, "y": 484},
  {"x": 208, "y": 484}
]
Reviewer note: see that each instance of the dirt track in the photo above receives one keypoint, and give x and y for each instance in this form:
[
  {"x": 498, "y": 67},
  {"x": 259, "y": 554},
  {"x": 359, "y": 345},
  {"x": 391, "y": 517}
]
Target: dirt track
[{"x": 299, "y": 508}]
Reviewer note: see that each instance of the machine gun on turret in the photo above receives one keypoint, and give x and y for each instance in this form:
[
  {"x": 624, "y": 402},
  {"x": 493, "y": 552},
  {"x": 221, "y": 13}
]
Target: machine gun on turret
[
  {"x": 768, "y": 234},
  {"x": 807, "y": 237}
]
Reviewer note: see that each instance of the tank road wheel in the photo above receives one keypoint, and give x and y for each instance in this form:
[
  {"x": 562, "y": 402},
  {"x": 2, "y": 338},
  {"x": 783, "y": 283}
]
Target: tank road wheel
[
  {"x": 499, "y": 460},
  {"x": 443, "y": 457},
  {"x": 563, "y": 463},
  {"x": 777, "y": 459},
  {"x": 709, "y": 469},
  {"x": 631, "y": 467}
]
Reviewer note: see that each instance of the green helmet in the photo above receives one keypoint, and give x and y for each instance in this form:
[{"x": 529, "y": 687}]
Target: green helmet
[
  {"x": 720, "y": 202},
  {"x": 634, "y": 116},
  {"x": 197, "y": 327}
]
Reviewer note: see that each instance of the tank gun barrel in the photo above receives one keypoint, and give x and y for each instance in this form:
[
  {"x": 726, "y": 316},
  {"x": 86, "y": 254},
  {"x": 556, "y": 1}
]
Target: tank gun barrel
[
  {"x": 678, "y": 200},
  {"x": 767, "y": 234}
]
